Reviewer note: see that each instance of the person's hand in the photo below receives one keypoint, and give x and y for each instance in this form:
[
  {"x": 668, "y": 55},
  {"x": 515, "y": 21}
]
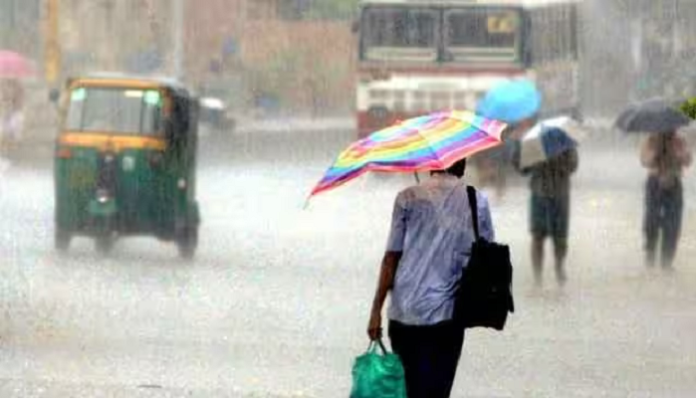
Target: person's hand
[{"x": 374, "y": 328}]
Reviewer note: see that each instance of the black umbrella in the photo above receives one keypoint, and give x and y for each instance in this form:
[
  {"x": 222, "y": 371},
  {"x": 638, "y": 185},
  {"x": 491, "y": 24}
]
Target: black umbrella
[{"x": 652, "y": 116}]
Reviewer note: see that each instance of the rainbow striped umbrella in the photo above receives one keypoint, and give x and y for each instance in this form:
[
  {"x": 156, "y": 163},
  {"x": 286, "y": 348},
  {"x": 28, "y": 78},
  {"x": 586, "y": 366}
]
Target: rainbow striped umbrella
[{"x": 426, "y": 143}]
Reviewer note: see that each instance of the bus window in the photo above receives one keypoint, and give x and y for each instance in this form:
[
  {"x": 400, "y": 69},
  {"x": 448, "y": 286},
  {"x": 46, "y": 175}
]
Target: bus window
[
  {"x": 399, "y": 33},
  {"x": 484, "y": 35}
]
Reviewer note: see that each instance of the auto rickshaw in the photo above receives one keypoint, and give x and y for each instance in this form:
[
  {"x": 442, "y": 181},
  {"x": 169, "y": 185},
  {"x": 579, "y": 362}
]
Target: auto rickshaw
[{"x": 125, "y": 162}]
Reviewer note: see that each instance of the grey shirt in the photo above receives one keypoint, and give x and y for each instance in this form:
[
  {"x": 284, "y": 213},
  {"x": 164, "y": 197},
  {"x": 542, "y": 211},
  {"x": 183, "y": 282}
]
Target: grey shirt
[{"x": 432, "y": 227}]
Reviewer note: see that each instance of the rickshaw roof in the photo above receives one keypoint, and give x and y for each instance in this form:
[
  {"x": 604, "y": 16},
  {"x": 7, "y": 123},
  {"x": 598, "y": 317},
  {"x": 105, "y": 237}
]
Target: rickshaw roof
[{"x": 128, "y": 80}]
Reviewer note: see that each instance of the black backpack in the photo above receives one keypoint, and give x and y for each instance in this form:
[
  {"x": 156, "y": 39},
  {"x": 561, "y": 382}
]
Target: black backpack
[{"x": 484, "y": 296}]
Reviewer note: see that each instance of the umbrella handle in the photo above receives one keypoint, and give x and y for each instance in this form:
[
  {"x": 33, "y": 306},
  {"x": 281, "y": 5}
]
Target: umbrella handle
[{"x": 415, "y": 174}]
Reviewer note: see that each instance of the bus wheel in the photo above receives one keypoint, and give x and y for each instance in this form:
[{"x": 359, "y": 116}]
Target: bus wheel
[
  {"x": 62, "y": 240},
  {"x": 104, "y": 244},
  {"x": 187, "y": 242}
]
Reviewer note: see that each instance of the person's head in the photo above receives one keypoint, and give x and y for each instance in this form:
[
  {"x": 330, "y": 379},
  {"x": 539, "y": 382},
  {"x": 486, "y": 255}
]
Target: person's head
[
  {"x": 665, "y": 137},
  {"x": 457, "y": 169}
]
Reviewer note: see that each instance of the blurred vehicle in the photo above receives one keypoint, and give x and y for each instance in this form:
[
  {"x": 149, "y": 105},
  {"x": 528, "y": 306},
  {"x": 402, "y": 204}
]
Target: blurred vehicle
[
  {"x": 418, "y": 57},
  {"x": 125, "y": 162},
  {"x": 214, "y": 114},
  {"x": 217, "y": 110}
]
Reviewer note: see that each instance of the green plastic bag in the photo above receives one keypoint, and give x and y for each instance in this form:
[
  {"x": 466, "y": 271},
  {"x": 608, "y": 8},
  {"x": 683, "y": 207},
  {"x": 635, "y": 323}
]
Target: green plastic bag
[{"x": 378, "y": 375}]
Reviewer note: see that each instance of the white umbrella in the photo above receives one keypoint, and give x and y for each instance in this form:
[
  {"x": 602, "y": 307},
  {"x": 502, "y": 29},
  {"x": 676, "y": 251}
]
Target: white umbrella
[{"x": 548, "y": 139}]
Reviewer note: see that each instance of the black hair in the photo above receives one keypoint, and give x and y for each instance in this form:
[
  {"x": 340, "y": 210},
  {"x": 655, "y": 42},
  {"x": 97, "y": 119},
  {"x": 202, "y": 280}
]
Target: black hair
[{"x": 457, "y": 169}]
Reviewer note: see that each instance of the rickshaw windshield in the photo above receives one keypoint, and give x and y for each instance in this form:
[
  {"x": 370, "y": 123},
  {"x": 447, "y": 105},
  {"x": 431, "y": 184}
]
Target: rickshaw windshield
[{"x": 115, "y": 110}]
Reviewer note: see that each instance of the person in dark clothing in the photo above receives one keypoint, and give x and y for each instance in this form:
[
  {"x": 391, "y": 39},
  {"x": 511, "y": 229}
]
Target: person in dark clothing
[
  {"x": 550, "y": 209},
  {"x": 665, "y": 156}
]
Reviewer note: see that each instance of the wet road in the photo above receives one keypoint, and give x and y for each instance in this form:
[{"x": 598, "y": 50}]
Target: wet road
[{"x": 275, "y": 303}]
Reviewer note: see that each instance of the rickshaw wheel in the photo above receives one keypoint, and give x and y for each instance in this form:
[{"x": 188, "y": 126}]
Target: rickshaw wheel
[
  {"x": 187, "y": 243},
  {"x": 104, "y": 244},
  {"x": 62, "y": 240}
]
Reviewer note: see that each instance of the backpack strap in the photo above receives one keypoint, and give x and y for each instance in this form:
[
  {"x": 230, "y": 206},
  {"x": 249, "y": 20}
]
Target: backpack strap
[{"x": 471, "y": 193}]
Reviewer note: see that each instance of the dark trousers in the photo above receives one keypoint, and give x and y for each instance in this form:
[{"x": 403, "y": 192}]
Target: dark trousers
[
  {"x": 430, "y": 355},
  {"x": 663, "y": 213}
]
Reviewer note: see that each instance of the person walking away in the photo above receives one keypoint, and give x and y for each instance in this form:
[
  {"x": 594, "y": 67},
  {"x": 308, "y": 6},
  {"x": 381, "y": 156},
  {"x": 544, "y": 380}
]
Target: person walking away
[
  {"x": 665, "y": 156},
  {"x": 11, "y": 116},
  {"x": 11, "y": 126},
  {"x": 428, "y": 246},
  {"x": 550, "y": 209}
]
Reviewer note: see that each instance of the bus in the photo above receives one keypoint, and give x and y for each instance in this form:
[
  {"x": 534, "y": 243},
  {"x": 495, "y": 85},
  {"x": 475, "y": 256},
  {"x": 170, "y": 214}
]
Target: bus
[{"x": 420, "y": 56}]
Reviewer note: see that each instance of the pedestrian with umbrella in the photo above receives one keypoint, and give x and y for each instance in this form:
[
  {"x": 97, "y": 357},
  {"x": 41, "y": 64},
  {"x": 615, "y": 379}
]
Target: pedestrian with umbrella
[
  {"x": 13, "y": 68},
  {"x": 431, "y": 237},
  {"x": 511, "y": 102},
  {"x": 549, "y": 156},
  {"x": 665, "y": 154}
]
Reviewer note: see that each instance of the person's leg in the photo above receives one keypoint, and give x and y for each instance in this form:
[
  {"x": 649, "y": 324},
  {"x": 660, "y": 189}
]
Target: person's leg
[
  {"x": 439, "y": 350},
  {"x": 538, "y": 258},
  {"x": 560, "y": 245},
  {"x": 430, "y": 355},
  {"x": 672, "y": 221},
  {"x": 539, "y": 229},
  {"x": 561, "y": 222},
  {"x": 651, "y": 221},
  {"x": 405, "y": 343},
  {"x": 451, "y": 341}
]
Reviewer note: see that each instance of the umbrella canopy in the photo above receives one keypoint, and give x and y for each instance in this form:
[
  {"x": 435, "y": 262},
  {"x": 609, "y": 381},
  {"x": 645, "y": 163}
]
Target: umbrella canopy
[
  {"x": 15, "y": 66},
  {"x": 549, "y": 139},
  {"x": 511, "y": 101},
  {"x": 426, "y": 143},
  {"x": 573, "y": 128},
  {"x": 652, "y": 116}
]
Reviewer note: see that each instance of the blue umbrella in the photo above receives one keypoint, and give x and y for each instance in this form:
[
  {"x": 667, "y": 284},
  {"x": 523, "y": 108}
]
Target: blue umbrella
[{"x": 511, "y": 101}]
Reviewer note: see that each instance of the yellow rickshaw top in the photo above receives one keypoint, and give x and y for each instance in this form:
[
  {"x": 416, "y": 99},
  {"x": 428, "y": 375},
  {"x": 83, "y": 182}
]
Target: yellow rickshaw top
[{"x": 127, "y": 80}]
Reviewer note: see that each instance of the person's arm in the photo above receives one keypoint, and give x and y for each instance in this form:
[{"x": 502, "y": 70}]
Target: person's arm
[
  {"x": 647, "y": 153},
  {"x": 390, "y": 263},
  {"x": 688, "y": 158},
  {"x": 685, "y": 156},
  {"x": 573, "y": 161},
  {"x": 386, "y": 281}
]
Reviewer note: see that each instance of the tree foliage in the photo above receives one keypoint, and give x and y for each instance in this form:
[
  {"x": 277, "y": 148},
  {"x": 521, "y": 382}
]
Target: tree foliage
[{"x": 689, "y": 107}]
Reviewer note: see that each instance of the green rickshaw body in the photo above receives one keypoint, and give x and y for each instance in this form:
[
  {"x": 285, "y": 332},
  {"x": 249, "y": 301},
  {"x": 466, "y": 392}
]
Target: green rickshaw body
[{"x": 125, "y": 162}]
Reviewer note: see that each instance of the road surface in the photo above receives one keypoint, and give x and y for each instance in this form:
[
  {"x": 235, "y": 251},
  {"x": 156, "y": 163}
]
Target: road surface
[{"x": 276, "y": 302}]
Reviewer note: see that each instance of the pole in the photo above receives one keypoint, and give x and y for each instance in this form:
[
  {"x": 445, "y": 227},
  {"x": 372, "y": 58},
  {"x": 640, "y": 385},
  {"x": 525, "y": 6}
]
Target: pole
[
  {"x": 111, "y": 52},
  {"x": 52, "y": 57},
  {"x": 178, "y": 36}
]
